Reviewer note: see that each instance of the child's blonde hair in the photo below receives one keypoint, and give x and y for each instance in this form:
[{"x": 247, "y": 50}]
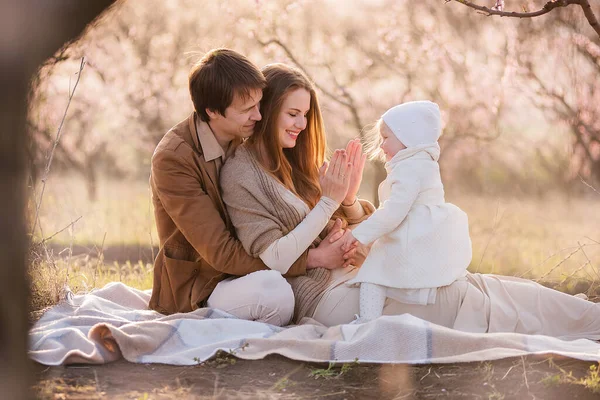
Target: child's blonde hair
[{"x": 372, "y": 141}]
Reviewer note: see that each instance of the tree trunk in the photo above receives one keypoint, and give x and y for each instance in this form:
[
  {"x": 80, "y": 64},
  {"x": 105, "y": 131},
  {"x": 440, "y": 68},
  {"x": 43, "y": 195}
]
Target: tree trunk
[
  {"x": 31, "y": 31},
  {"x": 91, "y": 182}
]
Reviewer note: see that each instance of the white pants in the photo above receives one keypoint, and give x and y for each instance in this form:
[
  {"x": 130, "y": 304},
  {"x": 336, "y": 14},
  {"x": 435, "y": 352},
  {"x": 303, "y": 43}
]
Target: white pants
[
  {"x": 263, "y": 296},
  {"x": 340, "y": 304},
  {"x": 482, "y": 303}
]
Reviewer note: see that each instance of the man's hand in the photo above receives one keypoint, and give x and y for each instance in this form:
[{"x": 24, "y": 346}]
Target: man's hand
[
  {"x": 330, "y": 253},
  {"x": 336, "y": 232}
]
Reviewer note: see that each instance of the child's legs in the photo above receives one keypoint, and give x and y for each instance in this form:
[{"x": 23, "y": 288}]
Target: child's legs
[{"x": 372, "y": 300}]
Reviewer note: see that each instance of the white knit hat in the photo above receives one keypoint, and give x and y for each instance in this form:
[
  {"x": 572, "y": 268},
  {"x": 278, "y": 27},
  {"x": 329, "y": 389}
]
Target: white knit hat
[{"x": 415, "y": 123}]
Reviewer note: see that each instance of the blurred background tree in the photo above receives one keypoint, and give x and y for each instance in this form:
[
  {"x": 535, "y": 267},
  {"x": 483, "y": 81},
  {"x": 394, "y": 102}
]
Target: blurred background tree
[
  {"x": 30, "y": 34},
  {"x": 519, "y": 97},
  {"x": 568, "y": 93}
]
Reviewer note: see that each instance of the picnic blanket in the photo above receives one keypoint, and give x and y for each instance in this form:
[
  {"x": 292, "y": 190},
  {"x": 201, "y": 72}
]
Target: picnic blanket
[{"x": 114, "y": 322}]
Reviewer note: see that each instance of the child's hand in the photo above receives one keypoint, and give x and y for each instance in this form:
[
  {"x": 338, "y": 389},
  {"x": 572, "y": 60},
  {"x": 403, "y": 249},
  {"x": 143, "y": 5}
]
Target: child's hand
[
  {"x": 348, "y": 240},
  {"x": 330, "y": 253}
]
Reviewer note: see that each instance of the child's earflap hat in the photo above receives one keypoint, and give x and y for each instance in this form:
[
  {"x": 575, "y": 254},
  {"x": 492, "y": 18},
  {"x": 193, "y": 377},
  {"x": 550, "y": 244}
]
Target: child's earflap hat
[{"x": 415, "y": 123}]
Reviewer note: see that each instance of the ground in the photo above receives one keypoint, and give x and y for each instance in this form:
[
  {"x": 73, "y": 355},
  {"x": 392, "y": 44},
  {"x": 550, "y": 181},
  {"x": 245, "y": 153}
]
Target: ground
[
  {"x": 279, "y": 378},
  {"x": 554, "y": 240}
]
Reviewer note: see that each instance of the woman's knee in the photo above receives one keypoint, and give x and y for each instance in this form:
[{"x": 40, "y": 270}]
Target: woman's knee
[{"x": 455, "y": 292}]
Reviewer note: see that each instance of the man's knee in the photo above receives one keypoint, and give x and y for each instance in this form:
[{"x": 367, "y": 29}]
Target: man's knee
[
  {"x": 275, "y": 296},
  {"x": 263, "y": 296}
]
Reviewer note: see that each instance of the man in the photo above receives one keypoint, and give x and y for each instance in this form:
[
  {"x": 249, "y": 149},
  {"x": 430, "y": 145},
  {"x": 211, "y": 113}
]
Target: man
[{"x": 199, "y": 254}]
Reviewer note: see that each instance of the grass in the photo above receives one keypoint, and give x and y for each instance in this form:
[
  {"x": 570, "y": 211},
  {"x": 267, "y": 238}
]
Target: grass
[
  {"x": 529, "y": 237},
  {"x": 553, "y": 239},
  {"x": 591, "y": 380},
  {"x": 332, "y": 370},
  {"x": 80, "y": 274},
  {"x": 123, "y": 212},
  {"x": 276, "y": 377}
]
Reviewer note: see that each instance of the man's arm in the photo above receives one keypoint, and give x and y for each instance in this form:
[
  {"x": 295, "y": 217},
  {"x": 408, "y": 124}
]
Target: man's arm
[{"x": 180, "y": 192}]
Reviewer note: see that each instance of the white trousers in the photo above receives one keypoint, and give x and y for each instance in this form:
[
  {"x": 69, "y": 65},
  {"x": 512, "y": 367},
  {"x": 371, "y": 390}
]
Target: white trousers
[
  {"x": 482, "y": 303},
  {"x": 263, "y": 296}
]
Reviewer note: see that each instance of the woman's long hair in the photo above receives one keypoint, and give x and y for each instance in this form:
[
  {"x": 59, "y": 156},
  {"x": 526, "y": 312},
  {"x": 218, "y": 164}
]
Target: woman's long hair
[{"x": 297, "y": 168}]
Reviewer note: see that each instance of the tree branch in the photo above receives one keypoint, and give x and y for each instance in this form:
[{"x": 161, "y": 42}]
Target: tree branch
[
  {"x": 351, "y": 105},
  {"x": 588, "y": 49},
  {"x": 548, "y": 7},
  {"x": 61, "y": 230},
  {"x": 288, "y": 52},
  {"x": 570, "y": 114},
  {"x": 51, "y": 155},
  {"x": 348, "y": 103},
  {"x": 589, "y": 15}
]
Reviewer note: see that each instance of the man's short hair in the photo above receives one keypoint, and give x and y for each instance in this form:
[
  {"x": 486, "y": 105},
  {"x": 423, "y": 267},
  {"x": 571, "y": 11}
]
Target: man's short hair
[{"x": 218, "y": 76}]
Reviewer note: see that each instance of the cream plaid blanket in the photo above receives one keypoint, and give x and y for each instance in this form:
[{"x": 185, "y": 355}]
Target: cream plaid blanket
[{"x": 114, "y": 322}]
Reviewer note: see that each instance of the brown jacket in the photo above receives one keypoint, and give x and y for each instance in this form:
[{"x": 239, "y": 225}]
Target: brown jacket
[{"x": 198, "y": 247}]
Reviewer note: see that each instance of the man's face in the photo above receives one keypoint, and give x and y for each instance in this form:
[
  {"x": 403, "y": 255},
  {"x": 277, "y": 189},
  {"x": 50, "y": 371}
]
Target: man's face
[{"x": 240, "y": 117}]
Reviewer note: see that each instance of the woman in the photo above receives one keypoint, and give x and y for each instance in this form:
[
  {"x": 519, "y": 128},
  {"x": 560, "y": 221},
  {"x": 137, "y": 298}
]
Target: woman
[
  {"x": 280, "y": 194},
  {"x": 272, "y": 192}
]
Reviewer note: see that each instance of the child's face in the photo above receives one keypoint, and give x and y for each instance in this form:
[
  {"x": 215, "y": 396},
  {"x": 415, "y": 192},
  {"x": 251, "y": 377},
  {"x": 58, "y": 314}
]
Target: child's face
[{"x": 390, "y": 144}]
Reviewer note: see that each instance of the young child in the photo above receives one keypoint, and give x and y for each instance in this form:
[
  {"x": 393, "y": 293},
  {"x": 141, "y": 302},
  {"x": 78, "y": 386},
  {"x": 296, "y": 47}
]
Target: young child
[{"x": 420, "y": 242}]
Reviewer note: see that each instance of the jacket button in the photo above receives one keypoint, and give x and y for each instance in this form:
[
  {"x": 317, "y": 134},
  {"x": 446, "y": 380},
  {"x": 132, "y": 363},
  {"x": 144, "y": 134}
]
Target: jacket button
[{"x": 195, "y": 271}]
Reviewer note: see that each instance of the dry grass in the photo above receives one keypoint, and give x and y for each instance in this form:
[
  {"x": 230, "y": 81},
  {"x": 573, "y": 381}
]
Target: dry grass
[
  {"x": 123, "y": 212},
  {"x": 552, "y": 239},
  {"x": 549, "y": 239},
  {"x": 278, "y": 378},
  {"x": 80, "y": 274},
  {"x": 122, "y": 215}
]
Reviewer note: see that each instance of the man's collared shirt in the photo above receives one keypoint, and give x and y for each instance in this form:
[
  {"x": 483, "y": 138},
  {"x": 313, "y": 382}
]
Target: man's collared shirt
[{"x": 210, "y": 146}]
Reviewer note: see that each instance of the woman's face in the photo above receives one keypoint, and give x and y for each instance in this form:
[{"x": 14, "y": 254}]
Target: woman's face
[
  {"x": 292, "y": 117},
  {"x": 390, "y": 144}
]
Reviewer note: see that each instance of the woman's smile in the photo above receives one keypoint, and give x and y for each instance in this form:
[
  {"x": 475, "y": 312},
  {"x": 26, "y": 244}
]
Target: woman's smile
[{"x": 293, "y": 134}]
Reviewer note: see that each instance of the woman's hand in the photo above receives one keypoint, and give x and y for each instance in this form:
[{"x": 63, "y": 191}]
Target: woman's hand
[
  {"x": 335, "y": 177},
  {"x": 357, "y": 158}
]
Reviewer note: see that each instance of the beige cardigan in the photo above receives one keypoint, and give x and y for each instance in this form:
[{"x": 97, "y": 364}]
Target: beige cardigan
[{"x": 255, "y": 202}]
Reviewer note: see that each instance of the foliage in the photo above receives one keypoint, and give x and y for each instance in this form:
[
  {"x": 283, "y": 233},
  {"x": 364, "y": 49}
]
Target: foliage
[
  {"x": 590, "y": 381},
  {"x": 332, "y": 370},
  {"x": 510, "y": 122}
]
